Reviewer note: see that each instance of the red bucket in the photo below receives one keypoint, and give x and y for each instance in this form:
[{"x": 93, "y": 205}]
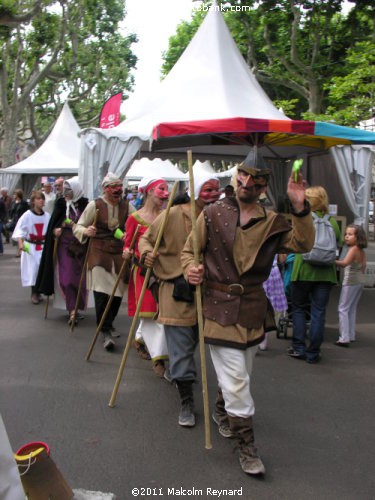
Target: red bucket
[{"x": 40, "y": 477}]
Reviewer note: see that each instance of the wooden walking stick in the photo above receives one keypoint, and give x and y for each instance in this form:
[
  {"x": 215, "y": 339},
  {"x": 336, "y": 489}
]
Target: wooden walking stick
[
  {"x": 55, "y": 245},
  {"x": 112, "y": 401},
  {"x": 121, "y": 272},
  {"x": 73, "y": 319},
  {"x": 198, "y": 293}
]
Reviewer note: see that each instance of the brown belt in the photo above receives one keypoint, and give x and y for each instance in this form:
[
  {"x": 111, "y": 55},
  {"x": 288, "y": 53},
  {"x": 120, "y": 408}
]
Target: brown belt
[
  {"x": 232, "y": 289},
  {"x": 35, "y": 242}
]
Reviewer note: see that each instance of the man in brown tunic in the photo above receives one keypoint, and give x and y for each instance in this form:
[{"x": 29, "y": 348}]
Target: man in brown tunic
[
  {"x": 239, "y": 240},
  {"x": 177, "y": 309},
  {"x": 105, "y": 258}
]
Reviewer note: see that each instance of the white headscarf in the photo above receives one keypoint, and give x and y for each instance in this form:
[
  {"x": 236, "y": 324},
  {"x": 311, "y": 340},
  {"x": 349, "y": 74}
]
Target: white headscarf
[
  {"x": 200, "y": 179},
  {"x": 111, "y": 178},
  {"x": 77, "y": 189},
  {"x": 146, "y": 182}
]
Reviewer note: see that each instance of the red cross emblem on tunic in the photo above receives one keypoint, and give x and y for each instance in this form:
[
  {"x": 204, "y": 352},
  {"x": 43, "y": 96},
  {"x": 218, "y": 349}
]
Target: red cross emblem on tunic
[{"x": 38, "y": 236}]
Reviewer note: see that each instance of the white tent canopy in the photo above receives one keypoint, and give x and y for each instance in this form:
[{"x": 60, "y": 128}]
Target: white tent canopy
[
  {"x": 210, "y": 80},
  {"x": 58, "y": 155},
  {"x": 151, "y": 168}
]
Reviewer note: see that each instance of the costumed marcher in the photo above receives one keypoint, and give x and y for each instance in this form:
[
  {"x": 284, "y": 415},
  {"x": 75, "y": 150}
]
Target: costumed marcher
[
  {"x": 30, "y": 233},
  {"x": 310, "y": 290},
  {"x": 150, "y": 334},
  {"x": 105, "y": 257},
  {"x": 66, "y": 271},
  {"x": 354, "y": 264},
  {"x": 177, "y": 309},
  {"x": 238, "y": 239}
]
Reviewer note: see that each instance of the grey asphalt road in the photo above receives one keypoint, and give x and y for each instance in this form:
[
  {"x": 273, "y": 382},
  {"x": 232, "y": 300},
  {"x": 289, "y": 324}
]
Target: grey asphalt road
[{"x": 314, "y": 424}]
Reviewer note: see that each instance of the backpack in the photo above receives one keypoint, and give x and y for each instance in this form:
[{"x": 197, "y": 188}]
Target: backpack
[{"x": 323, "y": 253}]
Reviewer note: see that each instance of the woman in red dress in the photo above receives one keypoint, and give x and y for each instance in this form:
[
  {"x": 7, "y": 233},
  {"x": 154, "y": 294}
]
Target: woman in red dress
[{"x": 150, "y": 334}]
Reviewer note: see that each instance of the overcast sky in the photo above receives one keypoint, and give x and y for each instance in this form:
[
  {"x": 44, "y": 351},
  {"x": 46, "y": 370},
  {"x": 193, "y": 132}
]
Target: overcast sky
[{"x": 153, "y": 21}]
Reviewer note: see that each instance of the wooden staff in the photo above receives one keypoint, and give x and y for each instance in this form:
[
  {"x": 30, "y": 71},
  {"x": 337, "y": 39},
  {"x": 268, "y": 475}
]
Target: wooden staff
[
  {"x": 112, "y": 294},
  {"x": 198, "y": 292},
  {"x": 112, "y": 401},
  {"x": 55, "y": 245},
  {"x": 73, "y": 319}
]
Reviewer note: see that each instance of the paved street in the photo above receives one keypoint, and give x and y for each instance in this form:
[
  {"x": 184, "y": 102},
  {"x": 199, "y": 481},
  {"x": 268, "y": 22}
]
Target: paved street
[{"x": 314, "y": 424}]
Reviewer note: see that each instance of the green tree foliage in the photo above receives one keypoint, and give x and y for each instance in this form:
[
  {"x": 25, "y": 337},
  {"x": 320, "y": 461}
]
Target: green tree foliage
[
  {"x": 52, "y": 51},
  {"x": 352, "y": 96},
  {"x": 295, "y": 48}
]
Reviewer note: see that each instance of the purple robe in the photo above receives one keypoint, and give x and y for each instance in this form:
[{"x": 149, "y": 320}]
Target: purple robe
[{"x": 69, "y": 269}]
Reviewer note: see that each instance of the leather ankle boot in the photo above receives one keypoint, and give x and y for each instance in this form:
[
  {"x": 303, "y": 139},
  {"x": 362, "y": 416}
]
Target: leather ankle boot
[
  {"x": 220, "y": 416},
  {"x": 250, "y": 461}
]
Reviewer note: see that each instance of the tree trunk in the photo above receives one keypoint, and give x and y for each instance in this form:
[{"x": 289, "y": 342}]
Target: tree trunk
[
  {"x": 315, "y": 98},
  {"x": 10, "y": 139}
]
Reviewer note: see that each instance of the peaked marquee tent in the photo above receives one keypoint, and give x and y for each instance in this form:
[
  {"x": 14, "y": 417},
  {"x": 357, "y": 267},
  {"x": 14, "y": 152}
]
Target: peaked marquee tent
[
  {"x": 58, "y": 155},
  {"x": 149, "y": 168},
  {"x": 210, "y": 102}
]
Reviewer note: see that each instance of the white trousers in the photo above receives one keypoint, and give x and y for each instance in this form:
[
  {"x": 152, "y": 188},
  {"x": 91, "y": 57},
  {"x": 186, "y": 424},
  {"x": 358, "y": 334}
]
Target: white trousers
[
  {"x": 233, "y": 370},
  {"x": 152, "y": 334},
  {"x": 349, "y": 298}
]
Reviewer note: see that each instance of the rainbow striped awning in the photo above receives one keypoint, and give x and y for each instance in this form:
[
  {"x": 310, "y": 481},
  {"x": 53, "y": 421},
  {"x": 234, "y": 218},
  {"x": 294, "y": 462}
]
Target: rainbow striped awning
[{"x": 254, "y": 131}]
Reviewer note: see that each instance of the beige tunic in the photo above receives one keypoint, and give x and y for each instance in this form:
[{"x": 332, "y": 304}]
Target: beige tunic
[
  {"x": 246, "y": 246},
  {"x": 98, "y": 279},
  {"x": 168, "y": 264}
]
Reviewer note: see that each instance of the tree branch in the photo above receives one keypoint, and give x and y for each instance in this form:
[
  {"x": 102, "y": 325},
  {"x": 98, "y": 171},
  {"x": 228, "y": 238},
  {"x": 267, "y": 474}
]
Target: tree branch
[
  {"x": 7, "y": 18},
  {"x": 37, "y": 77}
]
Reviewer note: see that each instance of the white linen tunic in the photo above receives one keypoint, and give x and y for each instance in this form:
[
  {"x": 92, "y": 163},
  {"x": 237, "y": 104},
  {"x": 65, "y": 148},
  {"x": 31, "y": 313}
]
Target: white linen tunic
[{"x": 31, "y": 226}]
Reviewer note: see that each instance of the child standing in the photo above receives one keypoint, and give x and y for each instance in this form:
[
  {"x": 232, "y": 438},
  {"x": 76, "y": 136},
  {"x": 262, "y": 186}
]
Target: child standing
[
  {"x": 30, "y": 232},
  {"x": 353, "y": 282}
]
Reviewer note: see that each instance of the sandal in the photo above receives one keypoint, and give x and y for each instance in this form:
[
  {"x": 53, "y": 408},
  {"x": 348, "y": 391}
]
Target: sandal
[
  {"x": 159, "y": 368},
  {"x": 141, "y": 350},
  {"x": 72, "y": 317}
]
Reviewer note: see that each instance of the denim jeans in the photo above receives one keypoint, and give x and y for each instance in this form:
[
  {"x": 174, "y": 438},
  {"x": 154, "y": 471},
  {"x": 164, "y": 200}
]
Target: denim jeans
[{"x": 310, "y": 296}]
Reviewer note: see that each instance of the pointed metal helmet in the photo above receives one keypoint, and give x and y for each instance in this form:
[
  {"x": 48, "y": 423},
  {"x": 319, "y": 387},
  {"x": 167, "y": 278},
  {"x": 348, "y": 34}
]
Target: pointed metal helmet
[{"x": 254, "y": 164}]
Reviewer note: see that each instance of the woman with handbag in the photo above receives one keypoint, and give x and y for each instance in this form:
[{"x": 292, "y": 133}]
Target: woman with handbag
[
  {"x": 150, "y": 337},
  {"x": 63, "y": 264}
]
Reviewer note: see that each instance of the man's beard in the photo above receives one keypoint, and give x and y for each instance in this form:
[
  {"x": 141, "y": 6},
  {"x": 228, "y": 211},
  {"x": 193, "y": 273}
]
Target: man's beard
[{"x": 251, "y": 196}]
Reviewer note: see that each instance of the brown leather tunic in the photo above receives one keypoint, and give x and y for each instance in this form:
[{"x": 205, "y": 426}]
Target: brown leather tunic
[
  {"x": 105, "y": 248},
  {"x": 248, "y": 309}
]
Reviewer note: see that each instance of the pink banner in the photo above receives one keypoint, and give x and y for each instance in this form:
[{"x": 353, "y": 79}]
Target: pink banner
[{"x": 110, "y": 115}]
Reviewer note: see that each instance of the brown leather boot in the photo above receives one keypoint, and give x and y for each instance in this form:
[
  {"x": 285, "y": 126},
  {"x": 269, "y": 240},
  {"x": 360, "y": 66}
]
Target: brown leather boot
[
  {"x": 220, "y": 416},
  {"x": 249, "y": 458},
  {"x": 141, "y": 350}
]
